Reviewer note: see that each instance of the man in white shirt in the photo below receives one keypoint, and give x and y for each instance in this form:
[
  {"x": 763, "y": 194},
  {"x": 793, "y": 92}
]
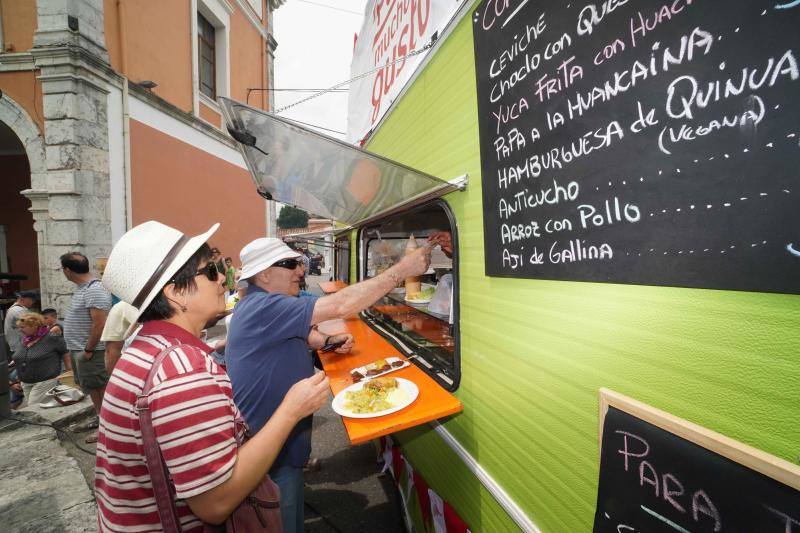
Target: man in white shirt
[
  {"x": 25, "y": 300},
  {"x": 119, "y": 319}
]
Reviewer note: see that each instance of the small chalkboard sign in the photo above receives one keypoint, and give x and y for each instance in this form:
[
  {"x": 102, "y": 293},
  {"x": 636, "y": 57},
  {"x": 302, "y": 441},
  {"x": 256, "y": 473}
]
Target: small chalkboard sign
[
  {"x": 643, "y": 142},
  {"x": 662, "y": 473}
]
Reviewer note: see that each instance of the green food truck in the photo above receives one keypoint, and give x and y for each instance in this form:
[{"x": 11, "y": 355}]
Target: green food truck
[{"x": 619, "y": 181}]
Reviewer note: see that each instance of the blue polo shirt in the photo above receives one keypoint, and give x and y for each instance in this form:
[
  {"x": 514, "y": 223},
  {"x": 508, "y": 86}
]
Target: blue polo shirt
[{"x": 267, "y": 353}]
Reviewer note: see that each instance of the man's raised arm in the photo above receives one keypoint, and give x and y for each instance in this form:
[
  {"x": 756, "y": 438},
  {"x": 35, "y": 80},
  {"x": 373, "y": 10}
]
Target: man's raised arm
[{"x": 358, "y": 297}]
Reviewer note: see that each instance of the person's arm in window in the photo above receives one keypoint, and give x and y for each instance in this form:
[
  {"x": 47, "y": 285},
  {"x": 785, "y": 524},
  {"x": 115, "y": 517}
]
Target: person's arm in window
[{"x": 355, "y": 298}]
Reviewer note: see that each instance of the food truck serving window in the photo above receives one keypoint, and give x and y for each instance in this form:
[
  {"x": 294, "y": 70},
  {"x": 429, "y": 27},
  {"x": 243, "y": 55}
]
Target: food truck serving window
[
  {"x": 341, "y": 267},
  {"x": 421, "y": 317}
]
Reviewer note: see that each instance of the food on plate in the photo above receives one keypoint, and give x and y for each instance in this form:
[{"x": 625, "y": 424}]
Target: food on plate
[
  {"x": 377, "y": 368},
  {"x": 375, "y": 396},
  {"x": 425, "y": 294},
  {"x": 381, "y": 365},
  {"x": 379, "y": 384}
]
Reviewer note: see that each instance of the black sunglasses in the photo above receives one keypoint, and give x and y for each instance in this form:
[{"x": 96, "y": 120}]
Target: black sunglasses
[
  {"x": 290, "y": 264},
  {"x": 210, "y": 271}
]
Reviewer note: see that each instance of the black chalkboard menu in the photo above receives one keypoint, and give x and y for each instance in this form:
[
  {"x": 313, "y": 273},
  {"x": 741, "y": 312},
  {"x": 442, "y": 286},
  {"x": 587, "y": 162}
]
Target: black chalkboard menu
[
  {"x": 646, "y": 142},
  {"x": 652, "y": 481}
]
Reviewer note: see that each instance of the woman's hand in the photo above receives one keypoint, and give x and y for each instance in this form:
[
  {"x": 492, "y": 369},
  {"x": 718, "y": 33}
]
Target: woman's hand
[
  {"x": 306, "y": 396},
  {"x": 255, "y": 458}
]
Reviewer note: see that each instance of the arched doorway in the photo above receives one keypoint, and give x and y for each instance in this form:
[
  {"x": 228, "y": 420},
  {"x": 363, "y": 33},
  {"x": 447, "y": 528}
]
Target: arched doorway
[{"x": 19, "y": 258}]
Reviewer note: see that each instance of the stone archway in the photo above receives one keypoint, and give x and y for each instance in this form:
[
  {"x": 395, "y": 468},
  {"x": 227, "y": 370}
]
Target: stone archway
[{"x": 22, "y": 125}]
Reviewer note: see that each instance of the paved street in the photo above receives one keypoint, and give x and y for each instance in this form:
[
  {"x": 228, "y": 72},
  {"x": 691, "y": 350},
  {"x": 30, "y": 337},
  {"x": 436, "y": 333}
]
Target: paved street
[{"x": 41, "y": 486}]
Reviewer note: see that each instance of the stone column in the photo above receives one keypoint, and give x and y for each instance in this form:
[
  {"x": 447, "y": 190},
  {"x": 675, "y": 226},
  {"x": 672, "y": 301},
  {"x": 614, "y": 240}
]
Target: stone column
[{"x": 71, "y": 200}]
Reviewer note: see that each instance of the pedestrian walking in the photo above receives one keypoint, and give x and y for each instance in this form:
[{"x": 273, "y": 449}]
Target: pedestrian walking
[
  {"x": 38, "y": 359},
  {"x": 83, "y": 328},
  {"x": 216, "y": 258},
  {"x": 25, "y": 300},
  {"x": 23, "y": 304},
  {"x": 230, "y": 275}
]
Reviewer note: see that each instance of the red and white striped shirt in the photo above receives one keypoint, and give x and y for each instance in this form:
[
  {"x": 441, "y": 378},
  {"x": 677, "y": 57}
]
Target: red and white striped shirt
[{"x": 193, "y": 417}]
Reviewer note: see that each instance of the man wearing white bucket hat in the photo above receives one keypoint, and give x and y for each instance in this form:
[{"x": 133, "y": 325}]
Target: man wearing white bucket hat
[
  {"x": 268, "y": 341},
  {"x": 176, "y": 288}
]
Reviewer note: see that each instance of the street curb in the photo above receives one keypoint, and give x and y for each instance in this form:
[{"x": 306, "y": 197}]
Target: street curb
[{"x": 61, "y": 417}]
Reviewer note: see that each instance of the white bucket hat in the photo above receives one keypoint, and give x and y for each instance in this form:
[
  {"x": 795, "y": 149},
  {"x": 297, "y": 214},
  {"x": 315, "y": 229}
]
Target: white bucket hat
[
  {"x": 145, "y": 259},
  {"x": 263, "y": 253}
]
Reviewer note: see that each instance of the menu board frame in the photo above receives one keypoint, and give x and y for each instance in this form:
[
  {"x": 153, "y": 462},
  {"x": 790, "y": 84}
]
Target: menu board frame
[
  {"x": 751, "y": 458},
  {"x": 619, "y": 154}
]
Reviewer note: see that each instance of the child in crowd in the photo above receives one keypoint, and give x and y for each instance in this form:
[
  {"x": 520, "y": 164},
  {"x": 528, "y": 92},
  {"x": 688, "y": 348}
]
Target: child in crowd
[{"x": 51, "y": 321}]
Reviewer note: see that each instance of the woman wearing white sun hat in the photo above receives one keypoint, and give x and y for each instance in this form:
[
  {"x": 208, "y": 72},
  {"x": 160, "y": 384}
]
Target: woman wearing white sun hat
[{"x": 174, "y": 284}]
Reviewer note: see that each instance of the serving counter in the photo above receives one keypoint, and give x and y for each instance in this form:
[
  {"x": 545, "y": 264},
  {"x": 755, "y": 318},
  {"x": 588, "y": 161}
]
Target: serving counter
[
  {"x": 329, "y": 287},
  {"x": 432, "y": 403}
]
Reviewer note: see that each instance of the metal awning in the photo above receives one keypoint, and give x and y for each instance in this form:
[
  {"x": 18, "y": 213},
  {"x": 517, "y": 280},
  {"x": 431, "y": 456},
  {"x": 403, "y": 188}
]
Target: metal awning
[
  {"x": 316, "y": 238},
  {"x": 322, "y": 175}
]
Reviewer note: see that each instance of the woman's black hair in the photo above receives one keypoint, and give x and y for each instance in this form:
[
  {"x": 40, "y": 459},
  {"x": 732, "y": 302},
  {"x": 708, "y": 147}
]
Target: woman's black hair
[{"x": 160, "y": 308}]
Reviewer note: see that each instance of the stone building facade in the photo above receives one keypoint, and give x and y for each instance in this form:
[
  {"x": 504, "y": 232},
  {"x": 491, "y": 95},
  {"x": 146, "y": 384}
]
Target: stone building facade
[{"x": 106, "y": 148}]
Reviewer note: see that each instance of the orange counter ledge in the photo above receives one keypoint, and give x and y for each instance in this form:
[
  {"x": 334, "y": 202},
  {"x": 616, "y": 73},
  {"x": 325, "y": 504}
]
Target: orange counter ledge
[
  {"x": 432, "y": 403},
  {"x": 329, "y": 287}
]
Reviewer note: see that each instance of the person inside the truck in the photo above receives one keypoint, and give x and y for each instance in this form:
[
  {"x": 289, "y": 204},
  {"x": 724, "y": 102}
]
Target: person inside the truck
[
  {"x": 269, "y": 340},
  {"x": 443, "y": 239}
]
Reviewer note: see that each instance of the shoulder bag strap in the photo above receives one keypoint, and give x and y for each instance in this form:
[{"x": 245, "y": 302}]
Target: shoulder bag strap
[{"x": 159, "y": 475}]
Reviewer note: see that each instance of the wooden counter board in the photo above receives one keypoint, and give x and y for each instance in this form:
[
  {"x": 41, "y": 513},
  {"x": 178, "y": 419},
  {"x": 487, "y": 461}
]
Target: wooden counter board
[
  {"x": 432, "y": 403},
  {"x": 329, "y": 287}
]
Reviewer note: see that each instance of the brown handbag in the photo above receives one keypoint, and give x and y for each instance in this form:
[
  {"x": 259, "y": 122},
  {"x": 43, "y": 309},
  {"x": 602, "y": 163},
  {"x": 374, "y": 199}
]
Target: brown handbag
[{"x": 260, "y": 510}]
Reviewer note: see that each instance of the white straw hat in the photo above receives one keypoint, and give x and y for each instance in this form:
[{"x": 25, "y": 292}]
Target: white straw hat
[
  {"x": 146, "y": 258},
  {"x": 263, "y": 253}
]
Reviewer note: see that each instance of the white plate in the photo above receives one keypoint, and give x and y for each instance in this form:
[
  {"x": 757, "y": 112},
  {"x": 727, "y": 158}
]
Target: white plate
[
  {"x": 363, "y": 369},
  {"x": 407, "y": 388}
]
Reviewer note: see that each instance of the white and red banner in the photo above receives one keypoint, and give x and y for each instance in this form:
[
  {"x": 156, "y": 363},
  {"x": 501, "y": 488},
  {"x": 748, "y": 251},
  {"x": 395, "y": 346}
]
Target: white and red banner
[
  {"x": 437, "y": 515},
  {"x": 391, "y": 29}
]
